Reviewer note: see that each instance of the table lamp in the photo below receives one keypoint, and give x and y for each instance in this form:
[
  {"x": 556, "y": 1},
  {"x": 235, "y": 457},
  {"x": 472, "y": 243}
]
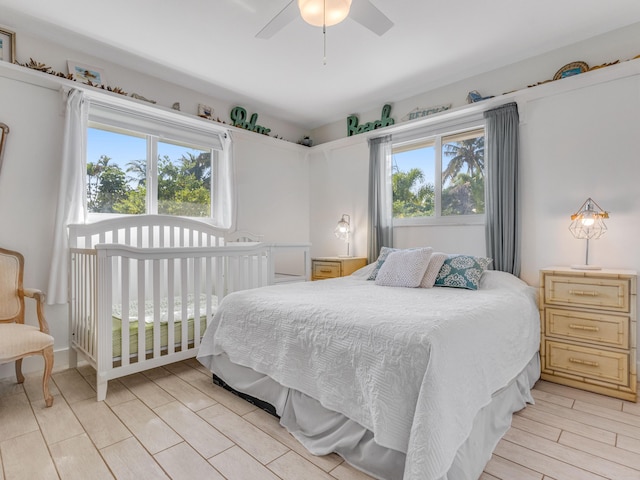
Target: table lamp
[
  {"x": 343, "y": 230},
  {"x": 587, "y": 223}
]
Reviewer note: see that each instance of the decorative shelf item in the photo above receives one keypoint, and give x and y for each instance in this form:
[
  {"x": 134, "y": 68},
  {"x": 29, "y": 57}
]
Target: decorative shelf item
[{"x": 571, "y": 69}]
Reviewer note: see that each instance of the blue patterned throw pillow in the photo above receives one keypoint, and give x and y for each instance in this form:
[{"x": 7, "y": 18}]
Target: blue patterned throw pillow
[
  {"x": 462, "y": 271},
  {"x": 384, "y": 253}
]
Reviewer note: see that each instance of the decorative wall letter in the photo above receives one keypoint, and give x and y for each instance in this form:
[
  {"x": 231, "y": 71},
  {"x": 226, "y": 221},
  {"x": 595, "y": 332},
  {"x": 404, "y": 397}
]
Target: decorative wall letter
[
  {"x": 239, "y": 119},
  {"x": 385, "y": 120}
]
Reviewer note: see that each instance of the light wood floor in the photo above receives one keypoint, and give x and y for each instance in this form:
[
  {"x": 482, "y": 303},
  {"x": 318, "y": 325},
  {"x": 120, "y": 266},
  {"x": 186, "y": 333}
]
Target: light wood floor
[{"x": 174, "y": 423}]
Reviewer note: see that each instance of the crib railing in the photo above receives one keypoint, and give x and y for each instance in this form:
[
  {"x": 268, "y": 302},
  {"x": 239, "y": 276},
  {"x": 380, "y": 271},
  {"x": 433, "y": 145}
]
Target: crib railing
[{"x": 163, "y": 296}]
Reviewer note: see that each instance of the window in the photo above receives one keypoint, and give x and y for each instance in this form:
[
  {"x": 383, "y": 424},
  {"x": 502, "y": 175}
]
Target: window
[
  {"x": 439, "y": 179},
  {"x": 130, "y": 173},
  {"x": 144, "y": 160}
]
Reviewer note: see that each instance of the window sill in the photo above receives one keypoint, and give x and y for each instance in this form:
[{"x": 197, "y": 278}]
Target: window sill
[{"x": 448, "y": 221}]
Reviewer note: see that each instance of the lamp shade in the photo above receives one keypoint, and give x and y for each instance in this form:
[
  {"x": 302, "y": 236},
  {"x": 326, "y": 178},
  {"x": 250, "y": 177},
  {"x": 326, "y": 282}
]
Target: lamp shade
[
  {"x": 588, "y": 222},
  {"x": 343, "y": 230},
  {"x": 324, "y": 12}
]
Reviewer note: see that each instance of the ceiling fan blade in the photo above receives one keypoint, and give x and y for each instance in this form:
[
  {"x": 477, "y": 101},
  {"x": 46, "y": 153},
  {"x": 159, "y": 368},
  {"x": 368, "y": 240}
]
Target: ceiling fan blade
[
  {"x": 366, "y": 14},
  {"x": 281, "y": 20}
]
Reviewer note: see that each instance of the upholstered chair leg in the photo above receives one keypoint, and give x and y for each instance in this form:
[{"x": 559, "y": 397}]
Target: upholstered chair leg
[
  {"x": 19, "y": 375},
  {"x": 48, "y": 367}
]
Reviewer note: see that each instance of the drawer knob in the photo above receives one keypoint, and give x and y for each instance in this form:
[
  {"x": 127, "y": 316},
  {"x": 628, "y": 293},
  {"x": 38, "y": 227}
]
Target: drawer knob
[
  {"x": 583, "y": 293},
  {"x": 588, "y": 328},
  {"x": 584, "y": 362},
  {"x": 325, "y": 270}
]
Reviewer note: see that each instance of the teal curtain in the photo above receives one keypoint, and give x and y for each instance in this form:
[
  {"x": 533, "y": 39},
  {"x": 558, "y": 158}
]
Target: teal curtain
[
  {"x": 501, "y": 188},
  {"x": 380, "y": 196}
]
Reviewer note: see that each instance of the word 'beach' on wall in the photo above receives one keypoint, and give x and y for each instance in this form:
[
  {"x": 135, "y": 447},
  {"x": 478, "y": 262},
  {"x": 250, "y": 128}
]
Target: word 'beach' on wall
[{"x": 385, "y": 120}]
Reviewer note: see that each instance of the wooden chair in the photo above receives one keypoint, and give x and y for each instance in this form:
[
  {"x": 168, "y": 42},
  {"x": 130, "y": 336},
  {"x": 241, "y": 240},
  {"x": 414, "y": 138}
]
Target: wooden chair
[{"x": 18, "y": 340}]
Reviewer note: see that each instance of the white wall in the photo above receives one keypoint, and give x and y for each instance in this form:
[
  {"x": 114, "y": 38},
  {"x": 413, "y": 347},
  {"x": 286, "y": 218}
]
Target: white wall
[
  {"x": 577, "y": 145},
  {"x": 165, "y": 86},
  {"x": 619, "y": 44},
  {"x": 28, "y": 188},
  {"x": 339, "y": 178}
]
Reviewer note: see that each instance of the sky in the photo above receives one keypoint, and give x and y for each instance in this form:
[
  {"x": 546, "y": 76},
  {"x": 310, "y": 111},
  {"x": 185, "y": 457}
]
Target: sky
[
  {"x": 122, "y": 149},
  {"x": 423, "y": 158}
]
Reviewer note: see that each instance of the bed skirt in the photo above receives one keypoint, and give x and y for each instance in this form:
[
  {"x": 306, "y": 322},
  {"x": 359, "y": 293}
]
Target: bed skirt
[{"x": 323, "y": 431}]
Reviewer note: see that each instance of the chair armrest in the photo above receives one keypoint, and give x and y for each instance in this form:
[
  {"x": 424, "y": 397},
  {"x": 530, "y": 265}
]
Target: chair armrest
[{"x": 38, "y": 296}]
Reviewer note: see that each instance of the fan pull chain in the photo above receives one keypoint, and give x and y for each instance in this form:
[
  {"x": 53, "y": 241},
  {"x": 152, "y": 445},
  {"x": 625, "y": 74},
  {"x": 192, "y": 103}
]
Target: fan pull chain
[
  {"x": 324, "y": 37},
  {"x": 324, "y": 32}
]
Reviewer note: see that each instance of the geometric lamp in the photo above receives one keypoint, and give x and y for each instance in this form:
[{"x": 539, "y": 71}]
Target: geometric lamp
[
  {"x": 343, "y": 230},
  {"x": 588, "y": 223}
]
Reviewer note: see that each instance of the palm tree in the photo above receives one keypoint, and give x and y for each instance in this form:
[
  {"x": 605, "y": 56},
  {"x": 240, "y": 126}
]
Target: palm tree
[
  {"x": 94, "y": 173},
  {"x": 469, "y": 153},
  {"x": 411, "y": 198},
  {"x": 139, "y": 169},
  {"x": 198, "y": 165}
]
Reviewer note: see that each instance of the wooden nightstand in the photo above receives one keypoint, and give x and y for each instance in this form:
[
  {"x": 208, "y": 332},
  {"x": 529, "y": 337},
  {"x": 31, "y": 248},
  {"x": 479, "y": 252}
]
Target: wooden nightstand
[
  {"x": 588, "y": 330},
  {"x": 334, "y": 267}
]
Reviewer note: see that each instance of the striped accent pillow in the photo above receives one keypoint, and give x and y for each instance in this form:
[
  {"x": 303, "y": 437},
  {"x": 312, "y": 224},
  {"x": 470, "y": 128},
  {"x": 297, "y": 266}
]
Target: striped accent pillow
[{"x": 435, "y": 264}]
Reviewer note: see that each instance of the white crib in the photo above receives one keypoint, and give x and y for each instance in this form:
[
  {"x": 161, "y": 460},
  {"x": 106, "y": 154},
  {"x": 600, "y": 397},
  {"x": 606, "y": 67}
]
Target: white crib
[{"x": 142, "y": 289}]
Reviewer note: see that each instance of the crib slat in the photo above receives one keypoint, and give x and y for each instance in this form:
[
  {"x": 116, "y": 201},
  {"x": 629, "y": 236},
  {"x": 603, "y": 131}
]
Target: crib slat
[
  {"x": 184, "y": 277},
  {"x": 171, "y": 337},
  {"x": 124, "y": 324},
  {"x": 196, "y": 301},
  {"x": 156, "y": 307},
  {"x": 91, "y": 306},
  {"x": 208, "y": 290},
  {"x": 141, "y": 297}
]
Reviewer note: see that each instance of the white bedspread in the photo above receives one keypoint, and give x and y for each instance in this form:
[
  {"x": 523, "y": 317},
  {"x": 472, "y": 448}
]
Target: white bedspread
[{"x": 412, "y": 365}]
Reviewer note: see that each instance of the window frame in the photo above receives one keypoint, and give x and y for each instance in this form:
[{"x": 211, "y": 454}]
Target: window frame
[
  {"x": 434, "y": 136},
  {"x": 157, "y": 125}
]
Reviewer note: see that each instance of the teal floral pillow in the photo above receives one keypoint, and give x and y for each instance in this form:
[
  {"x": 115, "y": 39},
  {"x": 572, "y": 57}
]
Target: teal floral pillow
[{"x": 462, "y": 271}]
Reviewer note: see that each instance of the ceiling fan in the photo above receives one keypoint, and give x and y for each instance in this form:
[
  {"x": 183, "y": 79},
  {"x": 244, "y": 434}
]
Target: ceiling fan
[{"x": 362, "y": 11}]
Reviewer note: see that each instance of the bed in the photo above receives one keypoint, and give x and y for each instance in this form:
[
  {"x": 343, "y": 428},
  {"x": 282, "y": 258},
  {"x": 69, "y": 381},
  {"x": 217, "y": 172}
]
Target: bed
[
  {"x": 413, "y": 383},
  {"x": 143, "y": 288}
]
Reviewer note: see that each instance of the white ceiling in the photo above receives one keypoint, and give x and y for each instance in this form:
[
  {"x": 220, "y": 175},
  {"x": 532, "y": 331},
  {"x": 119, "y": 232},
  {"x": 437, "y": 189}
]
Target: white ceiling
[{"x": 212, "y": 44}]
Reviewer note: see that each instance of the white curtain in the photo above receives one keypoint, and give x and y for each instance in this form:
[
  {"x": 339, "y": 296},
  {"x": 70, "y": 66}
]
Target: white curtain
[
  {"x": 71, "y": 206},
  {"x": 380, "y": 196},
  {"x": 224, "y": 211}
]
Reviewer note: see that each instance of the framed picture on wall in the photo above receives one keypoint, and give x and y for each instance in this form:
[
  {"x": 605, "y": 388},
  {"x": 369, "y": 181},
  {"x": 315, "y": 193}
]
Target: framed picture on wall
[
  {"x": 86, "y": 73},
  {"x": 7, "y": 46}
]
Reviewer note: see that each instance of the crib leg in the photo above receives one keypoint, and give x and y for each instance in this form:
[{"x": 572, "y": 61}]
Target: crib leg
[{"x": 101, "y": 385}]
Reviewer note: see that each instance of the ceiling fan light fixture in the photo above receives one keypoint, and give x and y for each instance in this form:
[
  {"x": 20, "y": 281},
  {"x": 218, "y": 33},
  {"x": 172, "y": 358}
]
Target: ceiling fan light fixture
[{"x": 313, "y": 11}]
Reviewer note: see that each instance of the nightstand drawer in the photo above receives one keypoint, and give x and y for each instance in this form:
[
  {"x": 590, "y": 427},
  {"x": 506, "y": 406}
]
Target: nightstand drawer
[
  {"x": 603, "y": 329},
  {"x": 326, "y": 269},
  {"x": 603, "y": 293},
  {"x": 601, "y": 365}
]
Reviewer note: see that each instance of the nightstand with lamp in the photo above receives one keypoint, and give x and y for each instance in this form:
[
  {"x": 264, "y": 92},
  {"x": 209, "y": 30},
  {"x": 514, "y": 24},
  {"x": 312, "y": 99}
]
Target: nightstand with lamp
[
  {"x": 342, "y": 265},
  {"x": 588, "y": 319}
]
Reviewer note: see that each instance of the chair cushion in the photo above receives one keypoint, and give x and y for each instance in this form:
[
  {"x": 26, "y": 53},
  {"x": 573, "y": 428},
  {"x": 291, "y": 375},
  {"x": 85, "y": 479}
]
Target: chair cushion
[{"x": 17, "y": 341}]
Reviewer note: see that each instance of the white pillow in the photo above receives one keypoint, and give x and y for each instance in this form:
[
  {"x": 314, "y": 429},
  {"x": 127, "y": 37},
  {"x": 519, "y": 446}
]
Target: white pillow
[
  {"x": 404, "y": 268},
  {"x": 435, "y": 264}
]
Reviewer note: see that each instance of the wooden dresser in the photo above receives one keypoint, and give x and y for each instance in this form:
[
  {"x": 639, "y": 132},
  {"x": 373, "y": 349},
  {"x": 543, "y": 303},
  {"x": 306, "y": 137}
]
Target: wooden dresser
[
  {"x": 334, "y": 267},
  {"x": 588, "y": 329}
]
